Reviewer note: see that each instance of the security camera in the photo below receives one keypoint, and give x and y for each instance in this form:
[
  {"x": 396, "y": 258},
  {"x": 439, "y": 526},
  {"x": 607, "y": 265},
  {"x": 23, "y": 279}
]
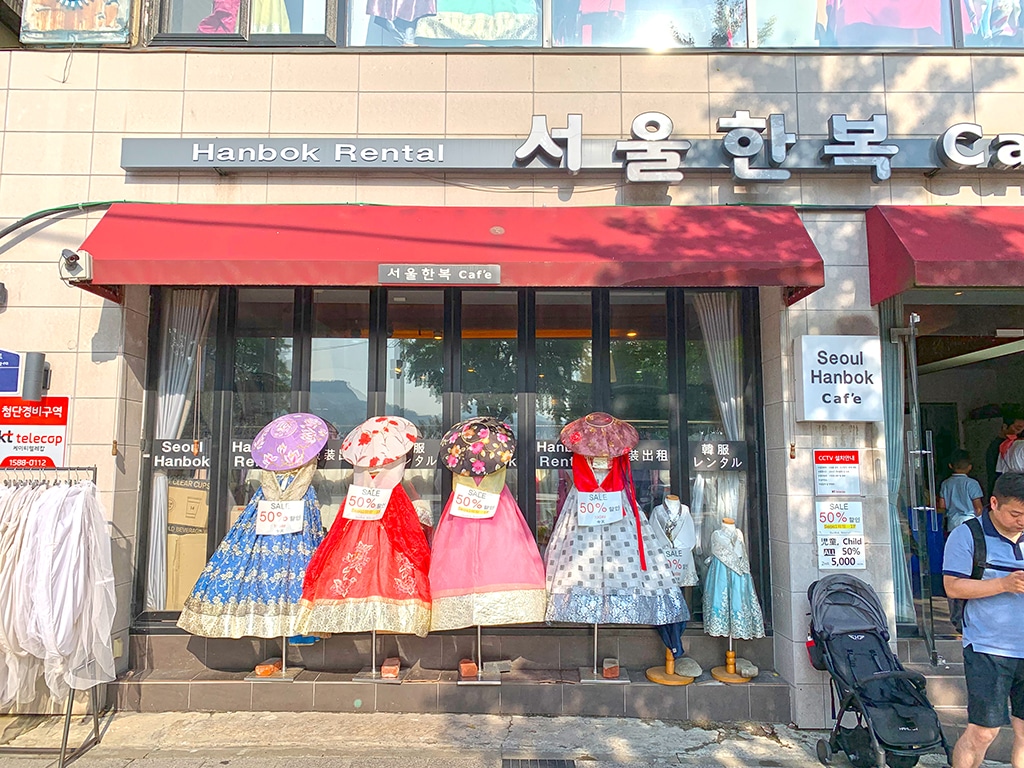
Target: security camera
[
  {"x": 75, "y": 266},
  {"x": 69, "y": 256}
]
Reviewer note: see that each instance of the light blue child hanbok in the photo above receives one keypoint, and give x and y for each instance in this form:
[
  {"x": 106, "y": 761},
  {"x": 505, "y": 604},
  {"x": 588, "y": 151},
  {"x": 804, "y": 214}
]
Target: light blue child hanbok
[{"x": 731, "y": 608}]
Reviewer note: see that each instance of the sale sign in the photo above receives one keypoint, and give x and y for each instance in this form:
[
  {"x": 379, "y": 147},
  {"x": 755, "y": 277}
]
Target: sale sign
[
  {"x": 840, "y": 534},
  {"x": 33, "y": 434},
  {"x": 473, "y": 503},
  {"x": 599, "y": 507},
  {"x": 276, "y": 518},
  {"x": 365, "y": 503}
]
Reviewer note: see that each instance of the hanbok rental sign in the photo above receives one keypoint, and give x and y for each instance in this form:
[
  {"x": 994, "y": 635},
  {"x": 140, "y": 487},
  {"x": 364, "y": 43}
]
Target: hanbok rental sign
[
  {"x": 840, "y": 535},
  {"x": 33, "y": 434}
]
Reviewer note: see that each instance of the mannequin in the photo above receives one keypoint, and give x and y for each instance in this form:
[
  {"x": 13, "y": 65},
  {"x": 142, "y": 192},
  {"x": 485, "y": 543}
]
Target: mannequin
[
  {"x": 731, "y": 607},
  {"x": 674, "y": 529}
]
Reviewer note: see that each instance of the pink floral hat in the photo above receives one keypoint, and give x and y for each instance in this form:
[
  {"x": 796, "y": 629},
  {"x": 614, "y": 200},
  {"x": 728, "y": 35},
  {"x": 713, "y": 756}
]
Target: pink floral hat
[
  {"x": 599, "y": 434},
  {"x": 289, "y": 441},
  {"x": 477, "y": 446},
  {"x": 380, "y": 440}
]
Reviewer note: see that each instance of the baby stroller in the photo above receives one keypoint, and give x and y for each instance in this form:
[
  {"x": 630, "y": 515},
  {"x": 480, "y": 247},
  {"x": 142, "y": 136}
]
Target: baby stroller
[{"x": 896, "y": 723}]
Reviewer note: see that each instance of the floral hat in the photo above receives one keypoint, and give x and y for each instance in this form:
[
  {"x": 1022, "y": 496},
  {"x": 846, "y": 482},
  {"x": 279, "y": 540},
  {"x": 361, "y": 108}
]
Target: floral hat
[
  {"x": 599, "y": 434},
  {"x": 478, "y": 446},
  {"x": 289, "y": 441},
  {"x": 380, "y": 440}
]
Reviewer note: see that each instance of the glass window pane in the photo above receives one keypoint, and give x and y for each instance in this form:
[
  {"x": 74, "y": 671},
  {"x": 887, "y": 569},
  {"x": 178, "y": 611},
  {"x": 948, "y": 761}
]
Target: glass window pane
[
  {"x": 992, "y": 23},
  {"x": 445, "y": 22},
  {"x": 415, "y": 382},
  {"x": 338, "y": 380},
  {"x": 654, "y": 24},
  {"x": 490, "y": 359},
  {"x": 263, "y": 380},
  {"x": 852, "y": 23},
  {"x": 210, "y": 17},
  {"x": 564, "y": 392},
  {"x": 180, "y": 495},
  {"x": 283, "y": 17},
  {"x": 639, "y": 386}
]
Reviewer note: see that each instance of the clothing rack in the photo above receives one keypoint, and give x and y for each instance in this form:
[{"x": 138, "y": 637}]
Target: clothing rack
[{"x": 42, "y": 475}]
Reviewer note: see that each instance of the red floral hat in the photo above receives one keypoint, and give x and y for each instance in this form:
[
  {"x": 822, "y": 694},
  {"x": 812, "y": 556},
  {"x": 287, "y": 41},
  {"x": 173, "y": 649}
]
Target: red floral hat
[{"x": 380, "y": 440}]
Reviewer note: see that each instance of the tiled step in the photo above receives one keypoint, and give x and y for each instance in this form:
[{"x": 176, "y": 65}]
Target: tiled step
[
  {"x": 914, "y": 650},
  {"x": 946, "y": 684},
  {"x": 533, "y": 692}
]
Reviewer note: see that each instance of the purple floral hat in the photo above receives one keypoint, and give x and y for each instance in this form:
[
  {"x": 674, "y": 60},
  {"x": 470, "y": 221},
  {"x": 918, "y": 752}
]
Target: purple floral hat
[
  {"x": 477, "y": 446},
  {"x": 599, "y": 434},
  {"x": 289, "y": 441}
]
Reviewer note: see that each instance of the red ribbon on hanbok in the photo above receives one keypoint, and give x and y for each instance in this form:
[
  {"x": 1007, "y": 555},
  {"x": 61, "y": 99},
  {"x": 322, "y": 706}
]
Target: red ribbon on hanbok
[{"x": 583, "y": 476}]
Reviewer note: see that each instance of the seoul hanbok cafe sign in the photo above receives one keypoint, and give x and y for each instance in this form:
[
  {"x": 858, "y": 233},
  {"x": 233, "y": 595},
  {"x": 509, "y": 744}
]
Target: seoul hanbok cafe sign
[{"x": 754, "y": 148}]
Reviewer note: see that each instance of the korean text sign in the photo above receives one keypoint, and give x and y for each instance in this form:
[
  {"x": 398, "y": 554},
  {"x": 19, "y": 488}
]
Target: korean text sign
[
  {"x": 33, "y": 434},
  {"x": 838, "y": 378}
]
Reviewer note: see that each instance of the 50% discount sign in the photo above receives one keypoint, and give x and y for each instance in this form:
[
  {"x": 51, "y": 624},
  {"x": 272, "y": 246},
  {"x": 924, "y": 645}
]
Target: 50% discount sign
[
  {"x": 276, "y": 518},
  {"x": 599, "y": 507},
  {"x": 366, "y": 503},
  {"x": 473, "y": 503},
  {"x": 840, "y": 534}
]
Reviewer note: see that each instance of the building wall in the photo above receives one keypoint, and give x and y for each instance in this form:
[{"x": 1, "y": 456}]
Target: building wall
[{"x": 65, "y": 114}]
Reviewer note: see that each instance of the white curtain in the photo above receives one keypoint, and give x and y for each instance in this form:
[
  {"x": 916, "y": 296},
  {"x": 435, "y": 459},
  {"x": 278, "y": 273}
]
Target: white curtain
[
  {"x": 724, "y": 492},
  {"x": 893, "y": 396},
  {"x": 186, "y": 320}
]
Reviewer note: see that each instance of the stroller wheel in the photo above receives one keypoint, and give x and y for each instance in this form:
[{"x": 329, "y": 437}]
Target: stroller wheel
[
  {"x": 900, "y": 761},
  {"x": 824, "y": 751}
]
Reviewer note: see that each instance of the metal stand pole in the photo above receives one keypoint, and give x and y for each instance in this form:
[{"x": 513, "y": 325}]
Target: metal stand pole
[
  {"x": 490, "y": 678},
  {"x": 595, "y": 650},
  {"x": 284, "y": 655},
  {"x": 596, "y": 675},
  {"x": 67, "y": 728},
  {"x": 373, "y": 652}
]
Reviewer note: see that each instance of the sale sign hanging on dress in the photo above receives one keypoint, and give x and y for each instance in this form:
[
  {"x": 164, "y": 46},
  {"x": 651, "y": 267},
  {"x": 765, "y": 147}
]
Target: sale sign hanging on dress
[
  {"x": 276, "y": 518},
  {"x": 473, "y": 503},
  {"x": 366, "y": 503},
  {"x": 599, "y": 507}
]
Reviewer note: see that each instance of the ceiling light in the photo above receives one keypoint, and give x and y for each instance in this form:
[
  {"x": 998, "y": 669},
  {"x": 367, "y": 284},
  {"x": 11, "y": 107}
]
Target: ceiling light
[
  {"x": 631, "y": 334},
  {"x": 958, "y": 293}
]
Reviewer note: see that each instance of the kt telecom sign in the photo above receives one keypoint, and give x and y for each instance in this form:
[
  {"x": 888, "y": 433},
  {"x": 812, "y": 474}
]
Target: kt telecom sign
[{"x": 33, "y": 434}]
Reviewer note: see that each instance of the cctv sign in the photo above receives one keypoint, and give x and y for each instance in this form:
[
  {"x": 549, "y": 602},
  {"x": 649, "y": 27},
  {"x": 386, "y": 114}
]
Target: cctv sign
[
  {"x": 33, "y": 434},
  {"x": 838, "y": 378}
]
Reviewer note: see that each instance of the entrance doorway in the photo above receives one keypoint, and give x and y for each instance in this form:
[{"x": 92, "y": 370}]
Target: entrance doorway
[{"x": 970, "y": 365}]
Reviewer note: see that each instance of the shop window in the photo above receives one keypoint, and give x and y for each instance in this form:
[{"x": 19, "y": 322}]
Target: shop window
[
  {"x": 178, "y": 509},
  {"x": 639, "y": 386},
  {"x": 992, "y": 23},
  {"x": 339, "y": 374},
  {"x": 490, "y": 360},
  {"x": 262, "y": 382},
  {"x": 445, "y": 22},
  {"x": 225, "y": 21},
  {"x": 565, "y": 359},
  {"x": 416, "y": 383}
]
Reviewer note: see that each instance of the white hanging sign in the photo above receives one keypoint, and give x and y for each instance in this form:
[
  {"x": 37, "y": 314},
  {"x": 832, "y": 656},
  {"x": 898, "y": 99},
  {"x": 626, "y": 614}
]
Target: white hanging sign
[
  {"x": 473, "y": 503},
  {"x": 276, "y": 518},
  {"x": 840, "y": 535},
  {"x": 838, "y": 378},
  {"x": 675, "y": 559},
  {"x": 599, "y": 507},
  {"x": 837, "y": 473},
  {"x": 365, "y": 502}
]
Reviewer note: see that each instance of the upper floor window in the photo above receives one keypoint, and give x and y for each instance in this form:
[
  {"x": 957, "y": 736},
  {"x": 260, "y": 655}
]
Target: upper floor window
[{"x": 644, "y": 24}]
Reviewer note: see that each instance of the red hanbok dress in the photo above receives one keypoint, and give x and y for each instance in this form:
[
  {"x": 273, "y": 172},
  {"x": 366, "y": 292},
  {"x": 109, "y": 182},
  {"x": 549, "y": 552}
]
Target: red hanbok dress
[{"x": 371, "y": 574}]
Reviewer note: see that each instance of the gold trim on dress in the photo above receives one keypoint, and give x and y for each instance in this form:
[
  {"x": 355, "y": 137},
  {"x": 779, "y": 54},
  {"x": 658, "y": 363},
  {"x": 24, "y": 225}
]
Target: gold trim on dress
[
  {"x": 524, "y": 606},
  {"x": 406, "y": 617}
]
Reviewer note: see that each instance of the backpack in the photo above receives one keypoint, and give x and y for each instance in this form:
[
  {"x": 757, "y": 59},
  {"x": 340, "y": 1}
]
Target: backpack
[{"x": 956, "y": 604}]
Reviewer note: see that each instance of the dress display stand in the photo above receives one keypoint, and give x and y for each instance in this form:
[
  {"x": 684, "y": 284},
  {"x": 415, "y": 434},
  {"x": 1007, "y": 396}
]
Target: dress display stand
[
  {"x": 591, "y": 676},
  {"x": 285, "y": 674},
  {"x": 481, "y": 677},
  {"x": 666, "y": 675},
  {"x": 731, "y": 607},
  {"x": 372, "y": 674},
  {"x": 64, "y": 755}
]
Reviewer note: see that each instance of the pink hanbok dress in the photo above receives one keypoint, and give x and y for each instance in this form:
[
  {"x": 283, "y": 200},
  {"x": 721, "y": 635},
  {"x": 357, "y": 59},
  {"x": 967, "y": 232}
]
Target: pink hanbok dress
[{"x": 485, "y": 571}]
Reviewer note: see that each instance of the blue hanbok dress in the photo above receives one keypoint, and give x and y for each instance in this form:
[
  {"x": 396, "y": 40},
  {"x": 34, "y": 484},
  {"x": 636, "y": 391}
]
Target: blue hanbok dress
[
  {"x": 253, "y": 583},
  {"x": 731, "y": 608}
]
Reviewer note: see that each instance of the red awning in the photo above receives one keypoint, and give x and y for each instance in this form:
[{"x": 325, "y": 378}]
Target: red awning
[
  {"x": 944, "y": 247},
  {"x": 154, "y": 244}
]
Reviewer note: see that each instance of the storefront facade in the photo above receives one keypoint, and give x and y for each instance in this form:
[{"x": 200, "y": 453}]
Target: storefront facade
[{"x": 195, "y": 332}]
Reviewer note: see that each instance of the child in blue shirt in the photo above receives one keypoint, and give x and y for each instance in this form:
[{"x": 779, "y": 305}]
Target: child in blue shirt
[{"x": 960, "y": 496}]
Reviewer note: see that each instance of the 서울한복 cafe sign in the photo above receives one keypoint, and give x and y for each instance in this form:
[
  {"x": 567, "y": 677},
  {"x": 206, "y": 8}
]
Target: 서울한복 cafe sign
[{"x": 755, "y": 149}]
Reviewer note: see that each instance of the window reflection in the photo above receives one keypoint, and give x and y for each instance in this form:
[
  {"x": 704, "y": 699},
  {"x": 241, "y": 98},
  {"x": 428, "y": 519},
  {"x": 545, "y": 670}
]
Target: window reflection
[
  {"x": 445, "y": 22},
  {"x": 894, "y": 23},
  {"x": 992, "y": 23},
  {"x": 650, "y": 23},
  {"x": 283, "y": 17}
]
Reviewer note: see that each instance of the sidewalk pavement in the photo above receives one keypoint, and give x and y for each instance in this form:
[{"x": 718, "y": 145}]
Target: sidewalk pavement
[{"x": 384, "y": 740}]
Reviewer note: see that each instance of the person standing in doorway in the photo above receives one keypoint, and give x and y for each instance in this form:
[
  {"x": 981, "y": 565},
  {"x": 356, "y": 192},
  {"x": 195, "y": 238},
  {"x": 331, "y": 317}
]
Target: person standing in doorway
[
  {"x": 960, "y": 496},
  {"x": 992, "y": 640},
  {"x": 1013, "y": 425}
]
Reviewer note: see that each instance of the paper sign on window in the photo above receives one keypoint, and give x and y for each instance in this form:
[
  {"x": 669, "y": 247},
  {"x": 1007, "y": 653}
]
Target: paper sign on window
[
  {"x": 275, "y": 518},
  {"x": 599, "y": 507},
  {"x": 473, "y": 503},
  {"x": 366, "y": 503}
]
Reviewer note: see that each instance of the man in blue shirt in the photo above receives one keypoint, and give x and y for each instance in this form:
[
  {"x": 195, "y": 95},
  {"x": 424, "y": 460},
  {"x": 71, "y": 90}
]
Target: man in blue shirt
[{"x": 993, "y": 638}]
